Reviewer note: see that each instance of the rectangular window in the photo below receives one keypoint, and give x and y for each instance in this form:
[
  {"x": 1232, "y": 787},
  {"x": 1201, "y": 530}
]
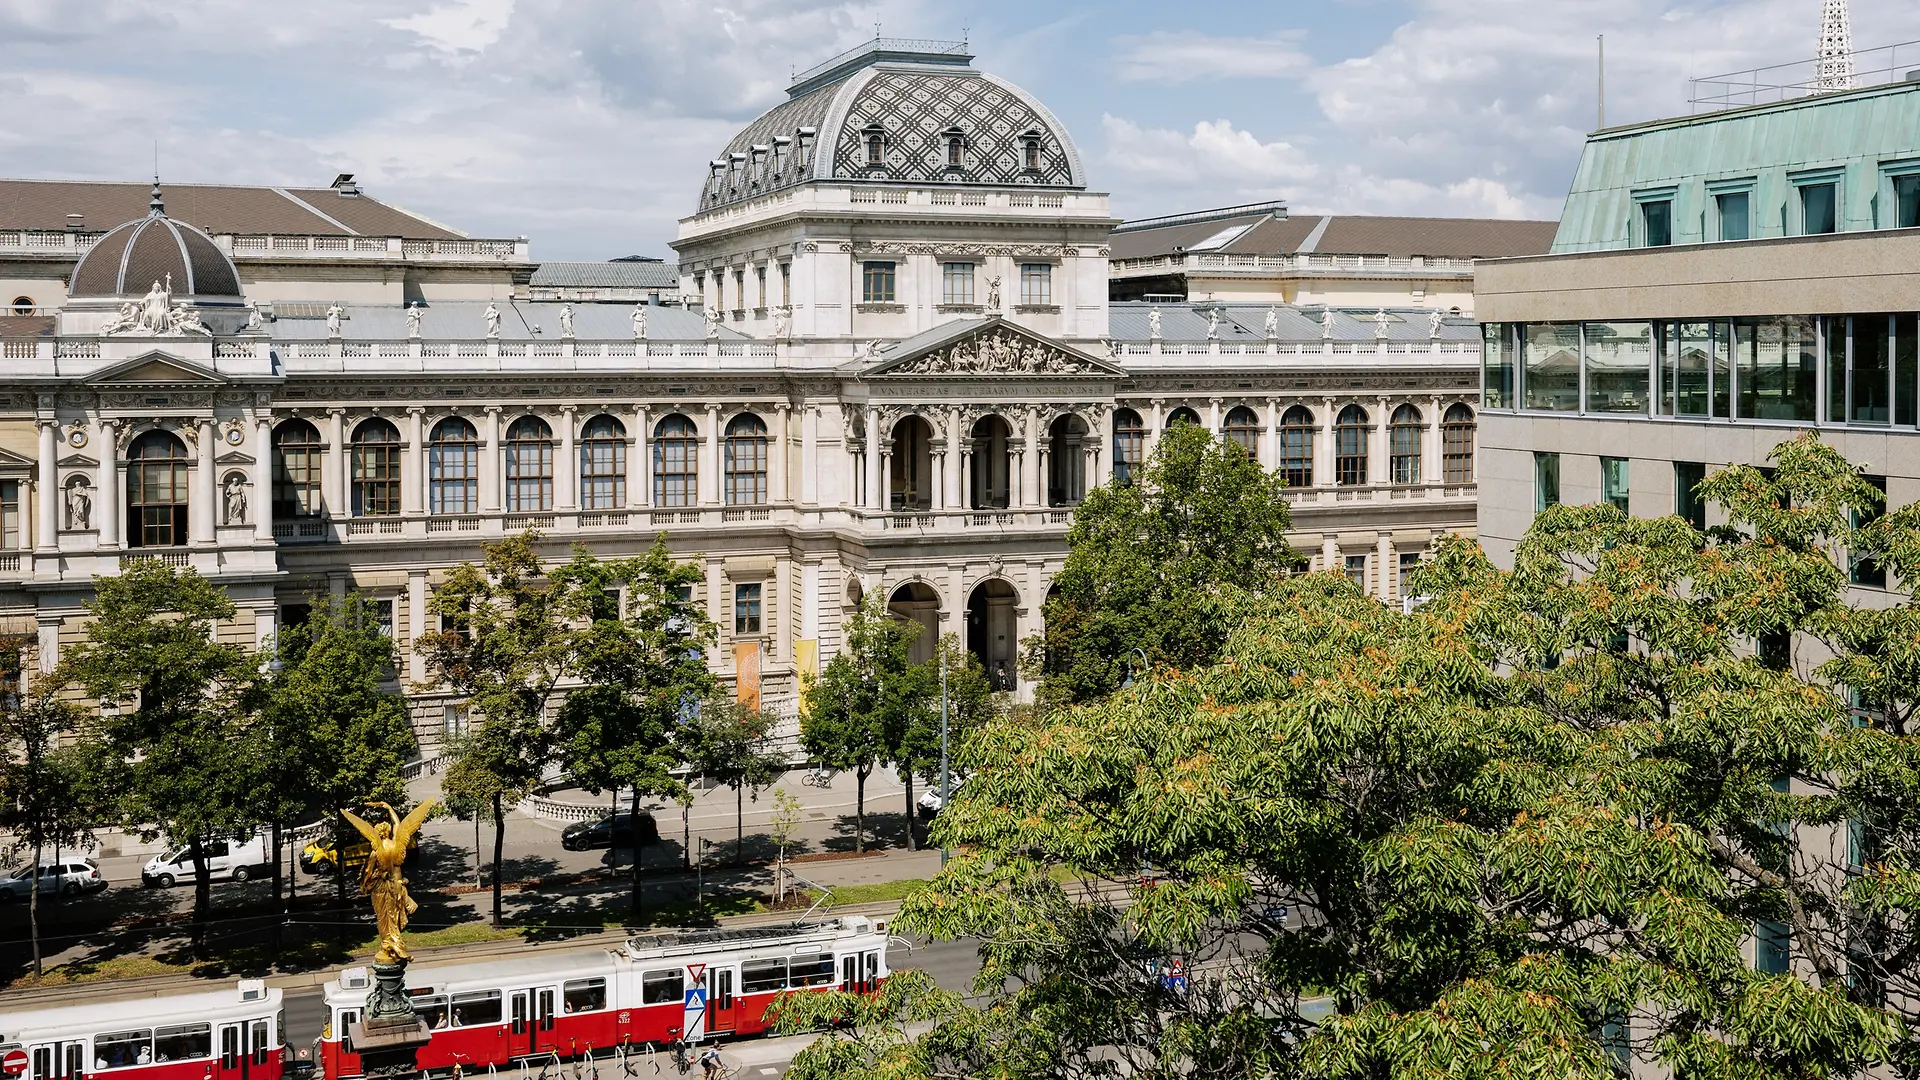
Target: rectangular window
[
  {"x": 1693, "y": 365},
  {"x": 584, "y": 995},
  {"x": 1870, "y": 383},
  {"x": 1906, "y": 370},
  {"x": 1772, "y": 948},
  {"x": 1036, "y": 284},
  {"x": 1776, "y": 650},
  {"x": 1906, "y": 201},
  {"x": 453, "y": 721},
  {"x": 876, "y": 283},
  {"x": 1777, "y": 361},
  {"x": 661, "y": 987},
  {"x": 1688, "y": 503},
  {"x": 763, "y": 976},
  {"x": 1357, "y": 571},
  {"x": 183, "y": 1042},
  {"x": 10, "y": 515},
  {"x": 1819, "y": 209},
  {"x": 746, "y": 609},
  {"x": 1736, "y": 216},
  {"x": 476, "y": 1009},
  {"x": 760, "y": 279},
  {"x": 739, "y": 289},
  {"x": 1409, "y": 562},
  {"x": 1546, "y": 480},
  {"x": 956, "y": 283},
  {"x": 1497, "y": 366},
  {"x": 1863, "y": 571},
  {"x": 1656, "y": 219},
  {"x": 1613, "y": 482},
  {"x": 383, "y": 617},
  {"x": 810, "y": 972},
  {"x": 120, "y": 1049},
  {"x": 786, "y": 282},
  {"x": 1552, "y": 377},
  {"x": 1619, "y": 362}
]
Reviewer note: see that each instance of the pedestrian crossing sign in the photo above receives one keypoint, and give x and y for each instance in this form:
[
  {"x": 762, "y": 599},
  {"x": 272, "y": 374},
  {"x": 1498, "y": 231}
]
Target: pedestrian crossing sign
[{"x": 696, "y": 998}]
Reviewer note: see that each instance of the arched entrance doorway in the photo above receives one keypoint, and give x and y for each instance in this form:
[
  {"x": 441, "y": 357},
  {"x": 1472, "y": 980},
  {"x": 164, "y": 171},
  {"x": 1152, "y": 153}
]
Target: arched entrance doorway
[
  {"x": 916, "y": 602},
  {"x": 989, "y": 487},
  {"x": 1066, "y": 461},
  {"x": 910, "y": 475},
  {"x": 993, "y": 631}
]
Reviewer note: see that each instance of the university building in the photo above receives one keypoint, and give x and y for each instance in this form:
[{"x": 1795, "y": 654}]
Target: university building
[{"x": 886, "y": 362}]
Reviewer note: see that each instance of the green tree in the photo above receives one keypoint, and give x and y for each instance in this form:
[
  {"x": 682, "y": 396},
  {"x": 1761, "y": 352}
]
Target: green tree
[
  {"x": 639, "y": 672},
  {"x": 177, "y": 710},
  {"x": 1541, "y": 826},
  {"x": 731, "y": 742},
  {"x": 970, "y": 704},
  {"x": 786, "y": 819},
  {"x": 340, "y": 738},
  {"x": 863, "y": 700},
  {"x": 50, "y": 760},
  {"x": 1147, "y": 562}
]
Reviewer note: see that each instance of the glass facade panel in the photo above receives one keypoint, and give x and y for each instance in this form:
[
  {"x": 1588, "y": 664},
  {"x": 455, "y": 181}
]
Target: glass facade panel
[
  {"x": 1772, "y": 948},
  {"x": 1906, "y": 369},
  {"x": 1870, "y": 573},
  {"x": 1552, "y": 377},
  {"x": 1688, "y": 364},
  {"x": 1656, "y": 217},
  {"x": 1497, "y": 366},
  {"x": 1736, "y": 217},
  {"x": 1613, "y": 482},
  {"x": 1777, "y": 361},
  {"x": 1870, "y": 387},
  {"x": 1906, "y": 201},
  {"x": 1619, "y": 360},
  {"x": 1546, "y": 480},
  {"x": 1688, "y": 503},
  {"x": 1819, "y": 209}
]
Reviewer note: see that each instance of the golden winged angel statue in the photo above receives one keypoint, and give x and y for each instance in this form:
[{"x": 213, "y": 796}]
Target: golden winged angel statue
[{"x": 387, "y": 843}]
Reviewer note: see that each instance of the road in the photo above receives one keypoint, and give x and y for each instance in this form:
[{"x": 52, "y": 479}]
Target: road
[{"x": 952, "y": 964}]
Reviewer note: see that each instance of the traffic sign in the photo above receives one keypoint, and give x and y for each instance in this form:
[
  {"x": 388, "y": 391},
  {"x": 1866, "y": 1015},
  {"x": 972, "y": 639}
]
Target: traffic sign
[
  {"x": 696, "y": 998},
  {"x": 695, "y": 972},
  {"x": 14, "y": 1063}
]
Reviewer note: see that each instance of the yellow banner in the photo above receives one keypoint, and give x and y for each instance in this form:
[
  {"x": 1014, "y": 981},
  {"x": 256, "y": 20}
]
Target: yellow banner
[{"x": 806, "y": 665}]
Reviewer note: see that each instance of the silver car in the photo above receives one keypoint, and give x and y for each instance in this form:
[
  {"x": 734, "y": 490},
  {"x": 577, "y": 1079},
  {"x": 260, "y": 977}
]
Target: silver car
[{"x": 67, "y": 879}]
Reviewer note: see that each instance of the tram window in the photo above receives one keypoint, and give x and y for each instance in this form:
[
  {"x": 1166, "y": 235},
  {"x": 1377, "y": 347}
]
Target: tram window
[
  {"x": 812, "y": 972},
  {"x": 661, "y": 987},
  {"x": 183, "y": 1042},
  {"x": 119, "y": 1049},
  {"x": 348, "y": 1018},
  {"x": 872, "y": 973},
  {"x": 433, "y": 1010},
  {"x": 585, "y": 995},
  {"x": 763, "y": 976},
  {"x": 480, "y": 1007}
]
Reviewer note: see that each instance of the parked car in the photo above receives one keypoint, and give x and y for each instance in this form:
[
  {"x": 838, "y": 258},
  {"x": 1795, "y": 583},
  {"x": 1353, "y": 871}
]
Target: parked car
[
  {"x": 931, "y": 803},
  {"x": 69, "y": 879},
  {"x": 319, "y": 856},
  {"x": 227, "y": 859},
  {"x": 613, "y": 830}
]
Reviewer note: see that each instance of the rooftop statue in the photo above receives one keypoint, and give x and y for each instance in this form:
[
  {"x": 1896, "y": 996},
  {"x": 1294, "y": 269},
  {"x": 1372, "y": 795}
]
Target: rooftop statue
[
  {"x": 413, "y": 319},
  {"x": 492, "y": 315},
  {"x": 639, "y": 322},
  {"x": 1326, "y": 324},
  {"x": 334, "y": 311}
]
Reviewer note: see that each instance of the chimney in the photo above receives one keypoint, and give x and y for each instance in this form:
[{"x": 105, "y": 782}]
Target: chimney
[
  {"x": 344, "y": 186},
  {"x": 76, "y": 222}
]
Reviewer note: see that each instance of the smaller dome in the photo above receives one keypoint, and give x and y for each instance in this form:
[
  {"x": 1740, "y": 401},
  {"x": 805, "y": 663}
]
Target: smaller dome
[{"x": 129, "y": 258}]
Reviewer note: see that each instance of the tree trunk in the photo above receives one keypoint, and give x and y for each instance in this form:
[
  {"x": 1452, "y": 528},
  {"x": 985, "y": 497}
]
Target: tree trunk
[
  {"x": 739, "y": 822},
  {"x": 340, "y": 874},
  {"x": 279, "y": 907},
  {"x": 634, "y": 879},
  {"x": 202, "y": 894},
  {"x": 910, "y": 841},
  {"x": 686, "y": 837},
  {"x": 499, "y": 845},
  {"x": 859, "y": 812},
  {"x": 33, "y": 903}
]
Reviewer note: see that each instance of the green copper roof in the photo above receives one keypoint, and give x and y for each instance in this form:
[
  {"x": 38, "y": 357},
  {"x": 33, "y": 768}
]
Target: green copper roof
[{"x": 1857, "y": 139}]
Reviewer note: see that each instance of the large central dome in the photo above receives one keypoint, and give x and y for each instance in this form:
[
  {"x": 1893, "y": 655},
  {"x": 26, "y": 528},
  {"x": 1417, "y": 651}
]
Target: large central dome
[{"x": 902, "y": 111}]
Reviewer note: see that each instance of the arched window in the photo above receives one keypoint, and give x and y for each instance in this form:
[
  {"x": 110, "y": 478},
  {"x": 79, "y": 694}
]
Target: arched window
[
  {"x": 529, "y": 459},
  {"x": 1350, "y": 447},
  {"x": 1405, "y": 431},
  {"x": 746, "y": 461},
  {"x": 375, "y": 463},
  {"x": 1243, "y": 430},
  {"x": 453, "y": 468},
  {"x": 1129, "y": 445},
  {"x": 297, "y": 453},
  {"x": 955, "y": 150},
  {"x": 1456, "y": 444},
  {"x": 676, "y": 472},
  {"x": 876, "y": 148},
  {"x": 1182, "y": 415},
  {"x": 1030, "y": 152},
  {"x": 1296, "y": 447},
  {"x": 603, "y": 464},
  {"x": 156, "y": 491}
]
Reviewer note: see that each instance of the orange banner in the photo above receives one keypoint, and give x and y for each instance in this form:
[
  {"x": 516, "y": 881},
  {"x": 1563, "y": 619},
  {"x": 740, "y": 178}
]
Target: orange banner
[{"x": 746, "y": 673}]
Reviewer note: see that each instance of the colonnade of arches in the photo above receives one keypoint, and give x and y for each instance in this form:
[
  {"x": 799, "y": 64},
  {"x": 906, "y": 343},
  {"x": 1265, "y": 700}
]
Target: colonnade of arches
[
  {"x": 989, "y": 630},
  {"x": 988, "y": 481},
  {"x": 1295, "y": 434}
]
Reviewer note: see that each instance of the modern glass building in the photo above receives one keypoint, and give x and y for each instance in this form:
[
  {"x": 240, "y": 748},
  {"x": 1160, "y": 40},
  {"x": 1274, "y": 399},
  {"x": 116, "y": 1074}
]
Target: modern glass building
[{"x": 1718, "y": 283}]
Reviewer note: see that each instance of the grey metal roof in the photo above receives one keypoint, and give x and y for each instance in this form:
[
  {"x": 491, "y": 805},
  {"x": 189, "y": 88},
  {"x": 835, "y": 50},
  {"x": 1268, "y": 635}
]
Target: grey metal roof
[
  {"x": 465, "y": 320},
  {"x": 607, "y": 275},
  {"x": 1187, "y": 322}
]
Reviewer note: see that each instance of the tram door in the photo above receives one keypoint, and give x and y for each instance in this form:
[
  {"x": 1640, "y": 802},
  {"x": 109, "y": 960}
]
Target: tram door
[
  {"x": 520, "y": 1029},
  {"x": 850, "y": 973},
  {"x": 57, "y": 1060},
  {"x": 719, "y": 984},
  {"x": 246, "y": 1051},
  {"x": 545, "y": 1038}
]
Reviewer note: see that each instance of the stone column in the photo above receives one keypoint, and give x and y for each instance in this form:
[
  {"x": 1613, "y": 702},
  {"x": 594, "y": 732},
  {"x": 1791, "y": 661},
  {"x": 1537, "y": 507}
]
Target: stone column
[
  {"x": 1270, "y": 443},
  {"x": 777, "y": 465},
  {"x": 413, "y": 472},
  {"x": 1380, "y": 453},
  {"x": 809, "y": 458},
  {"x": 709, "y": 479},
  {"x": 47, "y": 508},
  {"x": 1043, "y": 489},
  {"x": 106, "y": 489},
  {"x": 204, "y": 510},
  {"x": 566, "y": 471},
  {"x": 886, "y": 479},
  {"x": 1213, "y": 414},
  {"x": 955, "y": 476},
  {"x": 1153, "y": 427},
  {"x": 640, "y": 460},
  {"x": 1032, "y": 478},
  {"x": 490, "y": 486},
  {"x": 1432, "y": 465},
  {"x": 333, "y": 478},
  {"x": 262, "y": 478},
  {"x": 1330, "y": 553},
  {"x": 416, "y": 623},
  {"x": 872, "y": 463},
  {"x": 1387, "y": 573},
  {"x": 937, "y": 460},
  {"x": 1324, "y": 470}
]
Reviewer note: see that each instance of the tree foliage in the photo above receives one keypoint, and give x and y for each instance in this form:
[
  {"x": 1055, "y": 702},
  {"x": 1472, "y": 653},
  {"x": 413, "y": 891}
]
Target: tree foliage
[
  {"x": 1148, "y": 561},
  {"x": 864, "y": 700},
  {"x": 731, "y": 742},
  {"x": 50, "y": 764},
  {"x": 1537, "y": 828}
]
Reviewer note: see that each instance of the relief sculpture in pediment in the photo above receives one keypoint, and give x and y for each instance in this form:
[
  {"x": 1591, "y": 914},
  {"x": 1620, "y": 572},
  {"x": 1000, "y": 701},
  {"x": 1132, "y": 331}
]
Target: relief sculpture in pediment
[{"x": 998, "y": 353}]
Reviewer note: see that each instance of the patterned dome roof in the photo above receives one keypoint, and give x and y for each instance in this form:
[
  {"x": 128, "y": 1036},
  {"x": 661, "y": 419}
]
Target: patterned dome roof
[
  {"x": 130, "y": 258},
  {"x": 936, "y": 120}
]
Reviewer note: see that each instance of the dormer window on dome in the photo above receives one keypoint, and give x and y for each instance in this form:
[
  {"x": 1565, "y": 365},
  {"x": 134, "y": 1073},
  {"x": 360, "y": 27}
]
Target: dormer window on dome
[
  {"x": 1030, "y": 151},
  {"x": 876, "y": 140},
  {"x": 956, "y": 142},
  {"x": 782, "y": 145}
]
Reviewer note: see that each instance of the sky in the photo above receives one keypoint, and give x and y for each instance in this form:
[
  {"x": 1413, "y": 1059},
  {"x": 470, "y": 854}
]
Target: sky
[{"x": 586, "y": 124}]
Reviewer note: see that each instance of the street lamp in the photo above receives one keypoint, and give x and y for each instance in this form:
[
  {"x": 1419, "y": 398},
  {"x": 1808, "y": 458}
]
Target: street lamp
[{"x": 1144, "y": 663}]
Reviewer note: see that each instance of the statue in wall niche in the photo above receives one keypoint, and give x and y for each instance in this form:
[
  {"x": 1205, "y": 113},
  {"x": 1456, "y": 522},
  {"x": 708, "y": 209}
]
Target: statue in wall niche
[
  {"x": 413, "y": 319},
  {"x": 235, "y": 501},
  {"x": 1434, "y": 319},
  {"x": 1326, "y": 324},
  {"x": 79, "y": 506},
  {"x": 1272, "y": 324},
  {"x": 566, "y": 320},
  {"x": 993, "y": 293},
  {"x": 492, "y": 315},
  {"x": 1153, "y": 323},
  {"x": 1380, "y": 321},
  {"x": 334, "y": 312},
  {"x": 1213, "y": 324},
  {"x": 639, "y": 322},
  {"x": 782, "y": 322}
]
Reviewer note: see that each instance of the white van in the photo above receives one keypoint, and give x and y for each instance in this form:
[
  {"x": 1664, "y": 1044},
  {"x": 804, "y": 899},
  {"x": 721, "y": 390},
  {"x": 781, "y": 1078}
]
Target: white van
[{"x": 227, "y": 859}]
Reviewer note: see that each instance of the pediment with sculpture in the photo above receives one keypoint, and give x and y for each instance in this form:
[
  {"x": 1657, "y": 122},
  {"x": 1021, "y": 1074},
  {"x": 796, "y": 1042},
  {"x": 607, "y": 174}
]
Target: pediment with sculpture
[{"x": 996, "y": 348}]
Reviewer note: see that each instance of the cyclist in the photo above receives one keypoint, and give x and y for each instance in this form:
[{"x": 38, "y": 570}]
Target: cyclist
[{"x": 710, "y": 1062}]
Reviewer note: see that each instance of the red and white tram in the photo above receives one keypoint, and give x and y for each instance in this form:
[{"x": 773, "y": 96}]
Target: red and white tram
[
  {"x": 689, "y": 985},
  {"x": 232, "y": 1034}
]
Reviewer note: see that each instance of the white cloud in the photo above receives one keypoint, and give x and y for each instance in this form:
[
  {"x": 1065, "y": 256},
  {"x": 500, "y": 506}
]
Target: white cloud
[
  {"x": 1187, "y": 55},
  {"x": 463, "y": 26}
]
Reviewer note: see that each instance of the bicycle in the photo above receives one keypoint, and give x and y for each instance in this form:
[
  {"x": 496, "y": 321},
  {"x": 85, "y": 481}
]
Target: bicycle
[{"x": 819, "y": 778}]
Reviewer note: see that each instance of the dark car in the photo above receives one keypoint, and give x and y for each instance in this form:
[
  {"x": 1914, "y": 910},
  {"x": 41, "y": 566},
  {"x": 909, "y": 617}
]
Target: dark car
[{"x": 614, "y": 830}]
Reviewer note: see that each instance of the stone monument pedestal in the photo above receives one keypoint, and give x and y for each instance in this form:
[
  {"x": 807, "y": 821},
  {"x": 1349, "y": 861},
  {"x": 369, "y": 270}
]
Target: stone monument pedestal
[{"x": 391, "y": 1034}]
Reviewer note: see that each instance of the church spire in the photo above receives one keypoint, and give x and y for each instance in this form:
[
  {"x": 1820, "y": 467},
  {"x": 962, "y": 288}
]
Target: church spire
[{"x": 1834, "y": 69}]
